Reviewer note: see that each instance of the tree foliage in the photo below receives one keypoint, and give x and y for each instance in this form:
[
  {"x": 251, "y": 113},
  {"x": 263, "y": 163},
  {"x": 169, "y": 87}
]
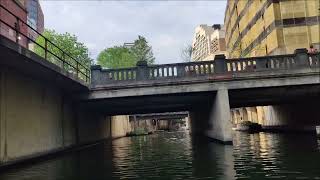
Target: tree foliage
[
  {"x": 59, "y": 43},
  {"x": 122, "y": 57},
  {"x": 116, "y": 57},
  {"x": 142, "y": 51}
]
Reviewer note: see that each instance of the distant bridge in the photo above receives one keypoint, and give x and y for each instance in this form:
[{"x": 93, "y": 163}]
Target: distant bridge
[{"x": 162, "y": 116}]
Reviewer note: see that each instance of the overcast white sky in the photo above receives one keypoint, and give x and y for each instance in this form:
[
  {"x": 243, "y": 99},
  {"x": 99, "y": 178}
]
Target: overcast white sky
[{"x": 167, "y": 25}]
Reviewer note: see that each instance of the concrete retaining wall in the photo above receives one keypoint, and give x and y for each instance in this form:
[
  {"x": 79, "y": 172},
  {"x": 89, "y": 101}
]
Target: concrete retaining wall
[{"x": 37, "y": 117}]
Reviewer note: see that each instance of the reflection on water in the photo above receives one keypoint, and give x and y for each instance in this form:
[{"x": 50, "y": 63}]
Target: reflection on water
[{"x": 178, "y": 156}]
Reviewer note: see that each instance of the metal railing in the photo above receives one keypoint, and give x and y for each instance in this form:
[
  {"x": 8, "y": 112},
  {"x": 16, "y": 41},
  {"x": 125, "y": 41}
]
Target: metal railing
[
  {"x": 219, "y": 66},
  {"x": 17, "y": 30}
]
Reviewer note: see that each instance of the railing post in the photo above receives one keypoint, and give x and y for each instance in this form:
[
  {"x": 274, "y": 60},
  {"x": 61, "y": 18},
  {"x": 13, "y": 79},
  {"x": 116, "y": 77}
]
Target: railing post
[
  {"x": 142, "y": 70},
  {"x": 301, "y": 57},
  {"x": 262, "y": 63},
  {"x": 87, "y": 75},
  {"x": 63, "y": 59},
  {"x": 17, "y": 29},
  {"x": 96, "y": 75},
  {"x": 181, "y": 71},
  {"x": 220, "y": 64},
  {"x": 77, "y": 67},
  {"x": 45, "y": 49}
]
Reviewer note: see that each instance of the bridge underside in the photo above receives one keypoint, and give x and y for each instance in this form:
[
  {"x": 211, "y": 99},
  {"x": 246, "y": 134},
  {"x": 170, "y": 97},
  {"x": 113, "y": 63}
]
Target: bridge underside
[
  {"x": 150, "y": 104},
  {"x": 189, "y": 101}
]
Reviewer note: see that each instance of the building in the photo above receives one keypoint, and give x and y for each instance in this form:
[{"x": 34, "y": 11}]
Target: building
[
  {"x": 35, "y": 17},
  {"x": 9, "y": 21},
  {"x": 28, "y": 11},
  {"x": 207, "y": 42},
  {"x": 270, "y": 27}
]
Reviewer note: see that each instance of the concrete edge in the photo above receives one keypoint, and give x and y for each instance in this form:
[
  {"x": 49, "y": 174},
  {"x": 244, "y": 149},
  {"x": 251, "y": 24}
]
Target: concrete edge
[
  {"x": 26, "y": 53},
  {"x": 44, "y": 156}
]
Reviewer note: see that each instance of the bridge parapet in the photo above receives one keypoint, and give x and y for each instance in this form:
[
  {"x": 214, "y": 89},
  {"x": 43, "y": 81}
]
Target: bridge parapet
[{"x": 219, "y": 67}]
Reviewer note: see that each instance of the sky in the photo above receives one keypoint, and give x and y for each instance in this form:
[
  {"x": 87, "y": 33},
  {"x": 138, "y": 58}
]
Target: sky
[{"x": 167, "y": 25}]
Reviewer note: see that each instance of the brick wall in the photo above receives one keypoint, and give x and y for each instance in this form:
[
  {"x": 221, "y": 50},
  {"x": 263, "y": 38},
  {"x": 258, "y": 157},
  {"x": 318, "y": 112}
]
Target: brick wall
[{"x": 18, "y": 10}]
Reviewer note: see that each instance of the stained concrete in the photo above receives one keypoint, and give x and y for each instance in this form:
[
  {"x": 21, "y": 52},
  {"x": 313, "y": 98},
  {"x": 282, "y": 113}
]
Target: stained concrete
[
  {"x": 219, "y": 118},
  {"x": 120, "y": 126},
  {"x": 213, "y": 119},
  {"x": 37, "y": 117}
]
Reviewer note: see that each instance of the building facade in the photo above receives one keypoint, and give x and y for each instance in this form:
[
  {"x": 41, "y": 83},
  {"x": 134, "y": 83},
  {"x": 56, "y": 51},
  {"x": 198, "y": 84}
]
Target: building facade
[
  {"x": 27, "y": 11},
  {"x": 9, "y": 21},
  {"x": 35, "y": 18},
  {"x": 270, "y": 27},
  {"x": 207, "y": 42},
  {"x": 35, "y": 15}
]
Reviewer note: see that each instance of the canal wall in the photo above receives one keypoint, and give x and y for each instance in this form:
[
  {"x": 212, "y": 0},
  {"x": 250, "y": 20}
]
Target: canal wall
[{"x": 38, "y": 117}]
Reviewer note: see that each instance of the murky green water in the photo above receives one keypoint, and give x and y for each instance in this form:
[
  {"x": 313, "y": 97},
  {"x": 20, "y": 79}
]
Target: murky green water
[{"x": 177, "y": 156}]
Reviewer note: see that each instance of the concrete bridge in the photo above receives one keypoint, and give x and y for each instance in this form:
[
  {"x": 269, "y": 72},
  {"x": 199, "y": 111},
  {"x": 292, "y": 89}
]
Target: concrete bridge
[
  {"x": 208, "y": 89},
  {"x": 161, "y": 116}
]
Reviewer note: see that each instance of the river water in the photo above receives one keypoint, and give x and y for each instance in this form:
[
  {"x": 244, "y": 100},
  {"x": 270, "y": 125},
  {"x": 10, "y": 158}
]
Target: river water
[{"x": 175, "y": 155}]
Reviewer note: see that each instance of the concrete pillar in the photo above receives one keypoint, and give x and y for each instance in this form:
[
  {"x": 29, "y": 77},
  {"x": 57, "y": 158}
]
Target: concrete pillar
[
  {"x": 219, "y": 118},
  {"x": 120, "y": 126},
  {"x": 301, "y": 57},
  {"x": 142, "y": 71},
  {"x": 213, "y": 119},
  {"x": 260, "y": 114},
  {"x": 220, "y": 65}
]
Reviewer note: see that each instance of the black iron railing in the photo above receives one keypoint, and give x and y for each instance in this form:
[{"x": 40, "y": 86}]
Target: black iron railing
[{"x": 16, "y": 29}]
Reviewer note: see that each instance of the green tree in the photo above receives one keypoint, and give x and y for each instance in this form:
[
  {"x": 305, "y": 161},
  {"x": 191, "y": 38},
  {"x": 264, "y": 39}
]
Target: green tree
[
  {"x": 60, "y": 43},
  {"x": 142, "y": 51},
  {"x": 116, "y": 57},
  {"x": 122, "y": 57}
]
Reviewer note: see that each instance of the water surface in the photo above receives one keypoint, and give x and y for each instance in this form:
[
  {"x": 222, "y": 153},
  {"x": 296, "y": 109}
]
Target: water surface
[{"x": 177, "y": 156}]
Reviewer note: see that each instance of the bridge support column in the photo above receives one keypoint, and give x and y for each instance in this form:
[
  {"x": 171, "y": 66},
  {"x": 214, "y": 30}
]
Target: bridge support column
[
  {"x": 219, "y": 118},
  {"x": 213, "y": 119}
]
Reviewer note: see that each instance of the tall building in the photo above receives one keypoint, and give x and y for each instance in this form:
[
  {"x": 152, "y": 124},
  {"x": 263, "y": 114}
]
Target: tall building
[
  {"x": 207, "y": 42},
  {"x": 270, "y": 27},
  {"x": 35, "y": 17}
]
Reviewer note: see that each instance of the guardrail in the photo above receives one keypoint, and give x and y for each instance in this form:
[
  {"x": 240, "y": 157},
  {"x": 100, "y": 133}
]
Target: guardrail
[
  {"x": 219, "y": 66},
  {"x": 15, "y": 29}
]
